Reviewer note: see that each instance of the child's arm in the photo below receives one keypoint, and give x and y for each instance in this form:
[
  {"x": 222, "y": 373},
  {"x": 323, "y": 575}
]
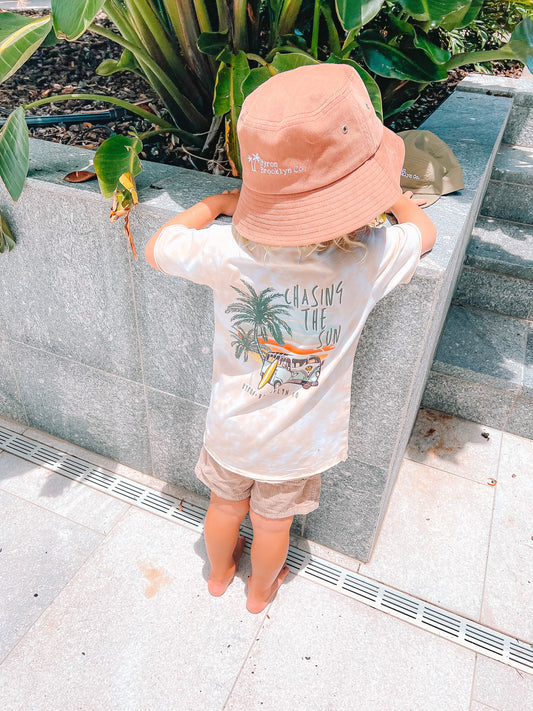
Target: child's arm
[
  {"x": 407, "y": 210},
  {"x": 197, "y": 217}
]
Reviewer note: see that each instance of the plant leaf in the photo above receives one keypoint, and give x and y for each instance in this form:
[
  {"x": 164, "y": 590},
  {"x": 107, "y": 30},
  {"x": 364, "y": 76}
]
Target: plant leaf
[
  {"x": 256, "y": 77},
  {"x": 212, "y": 43},
  {"x": 126, "y": 63},
  {"x": 233, "y": 71},
  {"x": 436, "y": 54},
  {"x": 117, "y": 155},
  {"x": 521, "y": 42},
  {"x": 6, "y": 238},
  {"x": 462, "y": 17},
  {"x": 285, "y": 61},
  {"x": 79, "y": 176},
  {"x": 387, "y": 61},
  {"x": 371, "y": 85},
  {"x": 20, "y": 36},
  {"x": 420, "y": 41},
  {"x": 356, "y": 13},
  {"x": 73, "y": 17},
  {"x": 14, "y": 153},
  {"x": 432, "y": 10}
]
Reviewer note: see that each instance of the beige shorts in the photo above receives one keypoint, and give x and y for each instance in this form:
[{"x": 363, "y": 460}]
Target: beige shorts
[{"x": 286, "y": 498}]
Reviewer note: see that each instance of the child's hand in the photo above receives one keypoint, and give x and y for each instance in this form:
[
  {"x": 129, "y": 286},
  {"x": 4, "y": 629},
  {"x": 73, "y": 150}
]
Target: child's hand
[{"x": 228, "y": 201}]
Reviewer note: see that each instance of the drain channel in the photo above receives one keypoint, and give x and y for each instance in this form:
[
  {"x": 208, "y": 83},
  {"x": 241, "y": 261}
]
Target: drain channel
[{"x": 448, "y": 625}]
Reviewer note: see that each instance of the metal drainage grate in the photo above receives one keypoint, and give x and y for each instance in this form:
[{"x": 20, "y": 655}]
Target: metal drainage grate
[{"x": 472, "y": 635}]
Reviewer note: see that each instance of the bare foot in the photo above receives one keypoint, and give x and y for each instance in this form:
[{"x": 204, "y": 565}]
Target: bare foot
[
  {"x": 258, "y": 603},
  {"x": 219, "y": 587}
]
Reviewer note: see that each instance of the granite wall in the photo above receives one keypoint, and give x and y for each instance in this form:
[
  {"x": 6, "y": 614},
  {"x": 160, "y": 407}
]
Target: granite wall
[{"x": 105, "y": 352}]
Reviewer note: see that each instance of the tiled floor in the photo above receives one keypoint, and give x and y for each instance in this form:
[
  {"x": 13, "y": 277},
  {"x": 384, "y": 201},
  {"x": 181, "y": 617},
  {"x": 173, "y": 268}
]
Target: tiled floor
[{"x": 104, "y": 606}]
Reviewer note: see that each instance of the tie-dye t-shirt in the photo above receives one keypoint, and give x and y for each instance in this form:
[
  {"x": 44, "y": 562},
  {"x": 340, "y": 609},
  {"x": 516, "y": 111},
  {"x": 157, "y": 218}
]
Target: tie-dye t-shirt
[{"x": 286, "y": 330}]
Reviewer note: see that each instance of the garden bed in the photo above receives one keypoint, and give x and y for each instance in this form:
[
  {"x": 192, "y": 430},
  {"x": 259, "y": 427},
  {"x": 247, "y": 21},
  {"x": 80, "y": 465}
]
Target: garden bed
[{"x": 70, "y": 67}]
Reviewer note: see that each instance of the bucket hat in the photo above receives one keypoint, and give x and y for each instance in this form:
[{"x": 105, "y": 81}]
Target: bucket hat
[
  {"x": 317, "y": 162},
  {"x": 430, "y": 168}
]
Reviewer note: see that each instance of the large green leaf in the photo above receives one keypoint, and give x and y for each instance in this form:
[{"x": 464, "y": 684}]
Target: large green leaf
[
  {"x": 285, "y": 61},
  {"x": 212, "y": 43},
  {"x": 256, "y": 77},
  {"x": 6, "y": 238},
  {"x": 461, "y": 17},
  {"x": 14, "y": 153},
  {"x": 20, "y": 36},
  {"x": 432, "y": 10},
  {"x": 521, "y": 43},
  {"x": 356, "y": 13},
  {"x": 73, "y": 17},
  {"x": 420, "y": 40},
  {"x": 233, "y": 70},
  {"x": 117, "y": 155},
  {"x": 388, "y": 61}
]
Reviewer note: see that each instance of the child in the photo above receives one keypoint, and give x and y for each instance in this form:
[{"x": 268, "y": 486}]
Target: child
[{"x": 294, "y": 279}]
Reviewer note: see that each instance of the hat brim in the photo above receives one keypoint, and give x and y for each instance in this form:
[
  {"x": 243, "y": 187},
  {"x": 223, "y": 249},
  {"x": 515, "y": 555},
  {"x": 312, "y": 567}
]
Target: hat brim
[
  {"x": 430, "y": 199},
  {"x": 329, "y": 212}
]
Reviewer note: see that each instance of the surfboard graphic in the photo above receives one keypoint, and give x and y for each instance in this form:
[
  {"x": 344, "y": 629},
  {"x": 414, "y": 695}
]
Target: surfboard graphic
[{"x": 269, "y": 372}]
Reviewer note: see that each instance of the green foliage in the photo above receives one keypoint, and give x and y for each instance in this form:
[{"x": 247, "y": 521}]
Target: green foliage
[
  {"x": 6, "y": 238},
  {"x": 203, "y": 57}
]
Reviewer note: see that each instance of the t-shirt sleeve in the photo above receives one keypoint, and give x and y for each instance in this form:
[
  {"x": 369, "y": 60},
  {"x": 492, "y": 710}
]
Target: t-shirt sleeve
[
  {"x": 192, "y": 254},
  {"x": 398, "y": 248}
]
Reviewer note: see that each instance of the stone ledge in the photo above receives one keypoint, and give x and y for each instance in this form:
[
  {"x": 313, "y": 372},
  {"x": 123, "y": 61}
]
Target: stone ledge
[{"x": 137, "y": 395}]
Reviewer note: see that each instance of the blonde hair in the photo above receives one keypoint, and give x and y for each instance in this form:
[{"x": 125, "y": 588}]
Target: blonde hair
[{"x": 351, "y": 242}]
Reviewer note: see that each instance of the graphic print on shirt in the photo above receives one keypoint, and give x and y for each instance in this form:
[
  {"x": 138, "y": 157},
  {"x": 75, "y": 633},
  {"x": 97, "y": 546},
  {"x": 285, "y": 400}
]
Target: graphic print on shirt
[{"x": 260, "y": 322}]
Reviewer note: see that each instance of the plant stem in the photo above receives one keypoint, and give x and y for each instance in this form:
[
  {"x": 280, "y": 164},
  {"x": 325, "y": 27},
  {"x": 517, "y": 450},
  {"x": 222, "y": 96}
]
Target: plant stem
[
  {"x": 149, "y": 134},
  {"x": 257, "y": 58},
  {"x": 240, "y": 35},
  {"x": 184, "y": 104},
  {"x": 316, "y": 26}
]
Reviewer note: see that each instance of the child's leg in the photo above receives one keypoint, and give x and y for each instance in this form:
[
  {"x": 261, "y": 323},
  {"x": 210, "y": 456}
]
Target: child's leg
[
  {"x": 269, "y": 551},
  {"x": 224, "y": 546}
]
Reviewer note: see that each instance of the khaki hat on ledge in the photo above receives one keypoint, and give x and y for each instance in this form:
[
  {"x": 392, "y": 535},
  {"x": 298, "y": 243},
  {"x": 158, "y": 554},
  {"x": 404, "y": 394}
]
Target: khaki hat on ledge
[{"x": 430, "y": 168}]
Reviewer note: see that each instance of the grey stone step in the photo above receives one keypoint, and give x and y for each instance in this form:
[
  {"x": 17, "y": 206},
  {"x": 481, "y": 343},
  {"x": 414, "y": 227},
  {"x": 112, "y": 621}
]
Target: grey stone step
[
  {"x": 509, "y": 195},
  {"x": 483, "y": 370},
  {"x": 498, "y": 271}
]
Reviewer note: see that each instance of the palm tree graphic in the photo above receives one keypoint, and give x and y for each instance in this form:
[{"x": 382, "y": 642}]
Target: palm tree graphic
[{"x": 262, "y": 317}]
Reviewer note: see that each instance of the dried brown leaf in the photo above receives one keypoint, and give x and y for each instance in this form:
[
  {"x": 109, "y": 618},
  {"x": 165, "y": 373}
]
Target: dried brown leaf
[{"x": 79, "y": 176}]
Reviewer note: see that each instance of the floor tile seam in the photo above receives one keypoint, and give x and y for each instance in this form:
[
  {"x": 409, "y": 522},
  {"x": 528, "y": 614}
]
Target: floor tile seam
[
  {"x": 473, "y": 682},
  {"x": 58, "y": 594},
  {"x": 491, "y": 531},
  {"x": 76, "y": 362},
  {"x": 369, "y": 577},
  {"x": 55, "y": 513},
  {"x": 464, "y": 477},
  {"x": 247, "y": 654}
]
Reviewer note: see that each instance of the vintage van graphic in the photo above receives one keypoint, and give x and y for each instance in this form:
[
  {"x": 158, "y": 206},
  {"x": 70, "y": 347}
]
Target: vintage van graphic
[{"x": 281, "y": 369}]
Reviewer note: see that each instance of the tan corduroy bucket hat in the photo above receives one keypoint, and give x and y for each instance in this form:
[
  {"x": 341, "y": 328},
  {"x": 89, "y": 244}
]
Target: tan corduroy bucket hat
[
  {"x": 317, "y": 162},
  {"x": 430, "y": 168}
]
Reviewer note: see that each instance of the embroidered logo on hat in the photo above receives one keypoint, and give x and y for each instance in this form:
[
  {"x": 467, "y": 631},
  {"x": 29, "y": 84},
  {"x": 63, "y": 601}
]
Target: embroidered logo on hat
[
  {"x": 317, "y": 162},
  {"x": 430, "y": 168}
]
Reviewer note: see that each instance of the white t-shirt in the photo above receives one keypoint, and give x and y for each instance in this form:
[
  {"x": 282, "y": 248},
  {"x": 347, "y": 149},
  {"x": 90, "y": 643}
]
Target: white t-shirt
[{"x": 286, "y": 331}]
